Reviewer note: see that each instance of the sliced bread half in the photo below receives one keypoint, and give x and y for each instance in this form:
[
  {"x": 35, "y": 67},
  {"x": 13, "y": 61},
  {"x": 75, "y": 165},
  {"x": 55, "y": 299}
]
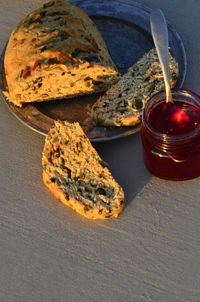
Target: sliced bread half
[
  {"x": 56, "y": 52},
  {"x": 123, "y": 103},
  {"x": 75, "y": 173}
]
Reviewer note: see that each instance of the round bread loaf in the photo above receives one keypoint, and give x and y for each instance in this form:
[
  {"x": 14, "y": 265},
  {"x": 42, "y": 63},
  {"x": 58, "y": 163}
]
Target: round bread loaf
[{"x": 56, "y": 52}]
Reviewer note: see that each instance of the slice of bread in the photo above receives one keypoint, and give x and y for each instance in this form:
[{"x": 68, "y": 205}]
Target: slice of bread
[
  {"x": 56, "y": 52},
  {"x": 123, "y": 103},
  {"x": 75, "y": 173}
]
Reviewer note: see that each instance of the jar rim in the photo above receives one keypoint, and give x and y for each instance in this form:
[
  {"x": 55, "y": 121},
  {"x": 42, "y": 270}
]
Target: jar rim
[{"x": 160, "y": 97}]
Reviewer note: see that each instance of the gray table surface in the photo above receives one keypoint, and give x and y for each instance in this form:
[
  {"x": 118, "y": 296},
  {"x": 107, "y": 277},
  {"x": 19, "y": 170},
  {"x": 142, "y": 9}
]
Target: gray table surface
[{"x": 50, "y": 253}]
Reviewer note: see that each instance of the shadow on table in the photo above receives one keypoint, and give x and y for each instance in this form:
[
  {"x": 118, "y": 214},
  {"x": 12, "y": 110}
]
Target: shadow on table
[{"x": 125, "y": 161}]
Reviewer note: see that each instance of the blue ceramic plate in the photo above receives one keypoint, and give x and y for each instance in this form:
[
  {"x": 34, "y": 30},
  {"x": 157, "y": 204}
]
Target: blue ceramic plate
[{"x": 125, "y": 27}]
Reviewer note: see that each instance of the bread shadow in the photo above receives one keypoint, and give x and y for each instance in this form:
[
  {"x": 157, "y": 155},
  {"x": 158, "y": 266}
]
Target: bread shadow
[{"x": 125, "y": 162}]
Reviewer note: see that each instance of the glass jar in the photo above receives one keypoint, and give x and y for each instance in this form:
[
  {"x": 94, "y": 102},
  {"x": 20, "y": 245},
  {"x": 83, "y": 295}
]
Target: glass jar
[{"x": 171, "y": 145}]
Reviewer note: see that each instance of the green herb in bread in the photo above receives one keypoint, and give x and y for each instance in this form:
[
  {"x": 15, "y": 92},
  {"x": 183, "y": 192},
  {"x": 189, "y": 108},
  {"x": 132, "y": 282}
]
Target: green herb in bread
[
  {"x": 56, "y": 52},
  {"x": 123, "y": 103},
  {"x": 75, "y": 173}
]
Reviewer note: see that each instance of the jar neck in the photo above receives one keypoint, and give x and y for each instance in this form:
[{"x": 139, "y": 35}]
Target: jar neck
[{"x": 163, "y": 138}]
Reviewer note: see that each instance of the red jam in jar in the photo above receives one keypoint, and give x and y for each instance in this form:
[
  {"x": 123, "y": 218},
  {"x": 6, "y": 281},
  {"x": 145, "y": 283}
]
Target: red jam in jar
[{"x": 170, "y": 134}]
